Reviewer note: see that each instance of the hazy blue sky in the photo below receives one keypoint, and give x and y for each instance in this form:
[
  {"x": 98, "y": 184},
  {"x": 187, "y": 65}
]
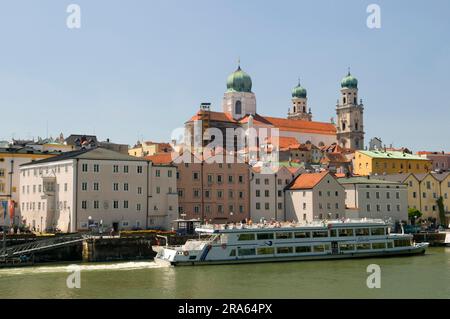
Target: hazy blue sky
[{"x": 141, "y": 68}]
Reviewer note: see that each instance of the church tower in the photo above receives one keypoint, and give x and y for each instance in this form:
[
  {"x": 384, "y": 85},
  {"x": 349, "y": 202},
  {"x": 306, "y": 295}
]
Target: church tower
[
  {"x": 349, "y": 124},
  {"x": 239, "y": 100},
  {"x": 299, "y": 109}
]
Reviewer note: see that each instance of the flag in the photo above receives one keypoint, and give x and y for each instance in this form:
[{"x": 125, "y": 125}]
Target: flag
[
  {"x": 5, "y": 208},
  {"x": 11, "y": 211}
]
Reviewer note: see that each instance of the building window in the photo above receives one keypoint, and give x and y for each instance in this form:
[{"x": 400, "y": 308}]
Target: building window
[
  {"x": 158, "y": 190},
  {"x": 84, "y": 167},
  {"x": 267, "y": 206},
  {"x": 195, "y": 175},
  {"x": 258, "y": 206},
  {"x": 115, "y": 168},
  {"x": 139, "y": 190},
  {"x": 116, "y": 186},
  {"x": 84, "y": 204},
  {"x": 138, "y": 207},
  {"x": 125, "y": 204},
  {"x": 157, "y": 173},
  {"x": 116, "y": 204},
  {"x": 125, "y": 187},
  {"x": 96, "y": 204},
  {"x": 96, "y": 168},
  {"x": 139, "y": 169},
  {"x": 266, "y": 193},
  {"x": 238, "y": 108},
  {"x": 84, "y": 186},
  {"x": 257, "y": 181}
]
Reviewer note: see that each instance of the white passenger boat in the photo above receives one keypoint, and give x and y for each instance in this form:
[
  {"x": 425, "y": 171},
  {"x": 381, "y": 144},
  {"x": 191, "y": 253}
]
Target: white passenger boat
[{"x": 224, "y": 244}]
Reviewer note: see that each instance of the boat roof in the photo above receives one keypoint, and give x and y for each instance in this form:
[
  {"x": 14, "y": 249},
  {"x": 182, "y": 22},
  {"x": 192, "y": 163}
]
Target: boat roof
[{"x": 316, "y": 225}]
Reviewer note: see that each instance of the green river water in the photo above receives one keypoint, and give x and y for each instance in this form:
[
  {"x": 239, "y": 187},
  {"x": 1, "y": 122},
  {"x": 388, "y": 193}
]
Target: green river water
[{"x": 426, "y": 276}]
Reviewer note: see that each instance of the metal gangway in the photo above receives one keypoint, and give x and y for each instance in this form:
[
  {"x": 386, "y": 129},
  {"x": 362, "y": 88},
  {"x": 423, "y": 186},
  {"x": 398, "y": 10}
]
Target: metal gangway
[{"x": 42, "y": 245}]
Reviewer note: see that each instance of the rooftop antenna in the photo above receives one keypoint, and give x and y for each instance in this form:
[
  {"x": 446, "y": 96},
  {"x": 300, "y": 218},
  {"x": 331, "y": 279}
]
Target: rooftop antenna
[{"x": 348, "y": 70}]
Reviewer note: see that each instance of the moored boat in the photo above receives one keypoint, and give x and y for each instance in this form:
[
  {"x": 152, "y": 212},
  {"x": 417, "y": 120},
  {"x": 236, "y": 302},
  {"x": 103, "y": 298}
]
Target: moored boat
[{"x": 225, "y": 244}]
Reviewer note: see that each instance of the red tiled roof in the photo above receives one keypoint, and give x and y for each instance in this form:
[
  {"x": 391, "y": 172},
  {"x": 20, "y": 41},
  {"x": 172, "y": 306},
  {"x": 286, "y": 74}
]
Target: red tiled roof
[
  {"x": 302, "y": 126},
  {"x": 307, "y": 180},
  {"x": 284, "y": 141},
  {"x": 335, "y": 158},
  {"x": 281, "y": 123},
  {"x": 214, "y": 116},
  {"x": 160, "y": 158}
]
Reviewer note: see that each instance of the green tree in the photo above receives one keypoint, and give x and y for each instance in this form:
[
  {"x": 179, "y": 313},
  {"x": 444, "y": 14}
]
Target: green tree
[
  {"x": 440, "y": 203},
  {"x": 414, "y": 214}
]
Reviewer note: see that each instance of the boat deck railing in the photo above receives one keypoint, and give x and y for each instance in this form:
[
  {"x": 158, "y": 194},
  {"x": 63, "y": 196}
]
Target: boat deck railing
[{"x": 272, "y": 224}]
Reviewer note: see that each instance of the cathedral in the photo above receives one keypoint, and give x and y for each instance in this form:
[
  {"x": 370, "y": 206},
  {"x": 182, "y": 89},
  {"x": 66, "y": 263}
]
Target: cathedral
[{"x": 239, "y": 110}]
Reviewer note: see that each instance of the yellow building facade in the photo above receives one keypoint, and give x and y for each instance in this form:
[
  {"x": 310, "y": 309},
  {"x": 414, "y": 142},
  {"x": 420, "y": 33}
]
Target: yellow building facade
[
  {"x": 424, "y": 191},
  {"x": 389, "y": 162}
]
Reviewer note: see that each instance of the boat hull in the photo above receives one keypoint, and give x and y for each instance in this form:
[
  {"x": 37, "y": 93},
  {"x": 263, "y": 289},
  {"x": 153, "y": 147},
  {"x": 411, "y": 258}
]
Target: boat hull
[{"x": 418, "y": 250}]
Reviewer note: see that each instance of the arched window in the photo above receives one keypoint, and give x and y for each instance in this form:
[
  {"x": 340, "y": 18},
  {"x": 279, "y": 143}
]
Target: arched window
[
  {"x": 238, "y": 107},
  {"x": 356, "y": 125},
  {"x": 345, "y": 100},
  {"x": 304, "y": 109},
  {"x": 343, "y": 125},
  {"x": 354, "y": 100}
]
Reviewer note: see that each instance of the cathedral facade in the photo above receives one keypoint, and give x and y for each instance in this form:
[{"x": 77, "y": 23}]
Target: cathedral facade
[{"x": 239, "y": 110}]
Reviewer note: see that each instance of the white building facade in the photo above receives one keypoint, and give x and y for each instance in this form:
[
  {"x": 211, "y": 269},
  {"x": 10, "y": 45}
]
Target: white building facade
[
  {"x": 372, "y": 198},
  {"x": 95, "y": 187},
  {"x": 315, "y": 196},
  {"x": 267, "y": 192}
]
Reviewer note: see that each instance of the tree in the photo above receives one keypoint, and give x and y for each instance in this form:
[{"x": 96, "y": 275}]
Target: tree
[
  {"x": 440, "y": 203},
  {"x": 413, "y": 214}
]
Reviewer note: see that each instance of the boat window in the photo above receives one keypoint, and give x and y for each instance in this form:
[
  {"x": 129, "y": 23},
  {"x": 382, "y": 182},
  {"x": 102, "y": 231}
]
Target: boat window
[
  {"x": 285, "y": 250},
  {"x": 346, "y": 247},
  {"x": 362, "y": 246},
  {"x": 233, "y": 252},
  {"x": 346, "y": 232},
  {"x": 302, "y": 234},
  {"x": 247, "y": 251},
  {"x": 402, "y": 242},
  {"x": 266, "y": 251},
  {"x": 320, "y": 233},
  {"x": 389, "y": 244},
  {"x": 283, "y": 235},
  {"x": 333, "y": 233},
  {"x": 362, "y": 231},
  {"x": 192, "y": 257},
  {"x": 321, "y": 248},
  {"x": 303, "y": 249},
  {"x": 378, "y": 245},
  {"x": 224, "y": 239},
  {"x": 377, "y": 231},
  {"x": 246, "y": 237},
  {"x": 265, "y": 236}
]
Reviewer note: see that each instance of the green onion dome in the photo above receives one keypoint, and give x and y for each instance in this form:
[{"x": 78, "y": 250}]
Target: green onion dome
[
  {"x": 349, "y": 82},
  {"x": 239, "y": 81},
  {"x": 299, "y": 91}
]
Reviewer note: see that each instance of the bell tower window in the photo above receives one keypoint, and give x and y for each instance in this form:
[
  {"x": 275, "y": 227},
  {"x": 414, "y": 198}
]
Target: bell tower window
[{"x": 238, "y": 108}]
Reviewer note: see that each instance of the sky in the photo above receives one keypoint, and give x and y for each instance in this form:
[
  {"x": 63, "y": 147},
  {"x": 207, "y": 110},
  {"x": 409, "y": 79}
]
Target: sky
[{"x": 139, "y": 69}]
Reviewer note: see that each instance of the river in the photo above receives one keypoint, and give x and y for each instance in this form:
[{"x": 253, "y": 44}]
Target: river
[{"x": 426, "y": 276}]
